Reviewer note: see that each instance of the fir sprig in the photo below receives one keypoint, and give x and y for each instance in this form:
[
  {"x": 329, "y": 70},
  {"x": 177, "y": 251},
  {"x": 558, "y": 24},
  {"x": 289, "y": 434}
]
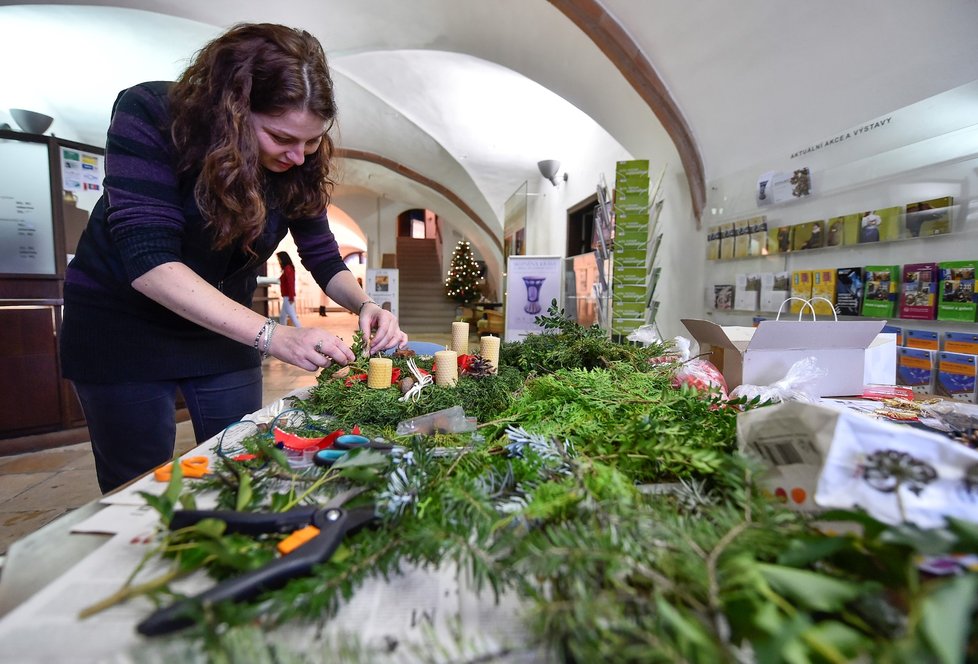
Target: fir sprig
[
  {"x": 482, "y": 398},
  {"x": 552, "y": 506},
  {"x": 565, "y": 344}
]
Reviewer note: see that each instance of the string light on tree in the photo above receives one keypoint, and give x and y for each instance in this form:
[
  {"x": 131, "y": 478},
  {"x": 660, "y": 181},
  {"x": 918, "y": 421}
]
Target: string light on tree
[{"x": 463, "y": 281}]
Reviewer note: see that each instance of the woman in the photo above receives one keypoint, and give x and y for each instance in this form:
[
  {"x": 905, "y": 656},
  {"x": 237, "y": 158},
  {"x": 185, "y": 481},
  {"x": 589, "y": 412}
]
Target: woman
[
  {"x": 203, "y": 179},
  {"x": 287, "y": 288}
]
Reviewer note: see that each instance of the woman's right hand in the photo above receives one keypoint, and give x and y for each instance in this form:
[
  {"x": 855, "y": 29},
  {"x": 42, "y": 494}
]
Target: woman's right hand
[{"x": 309, "y": 348}]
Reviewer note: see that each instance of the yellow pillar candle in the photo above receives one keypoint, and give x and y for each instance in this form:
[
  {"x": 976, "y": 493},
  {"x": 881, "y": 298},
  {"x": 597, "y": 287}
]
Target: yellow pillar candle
[
  {"x": 489, "y": 350},
  {"x": 446, "y": 368},
  {"x": 460, "y": 338},
  {"x": 379, "y": 373}
]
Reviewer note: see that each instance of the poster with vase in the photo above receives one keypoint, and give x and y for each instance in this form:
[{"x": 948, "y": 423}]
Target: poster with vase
[{"x": 532, "y": 283}]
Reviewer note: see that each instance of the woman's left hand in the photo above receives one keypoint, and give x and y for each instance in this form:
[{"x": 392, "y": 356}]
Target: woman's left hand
[{"x": 384, "y": 326}]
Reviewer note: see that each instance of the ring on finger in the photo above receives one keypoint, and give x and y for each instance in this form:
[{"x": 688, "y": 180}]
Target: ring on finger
[{"x": 319, "y": 349}]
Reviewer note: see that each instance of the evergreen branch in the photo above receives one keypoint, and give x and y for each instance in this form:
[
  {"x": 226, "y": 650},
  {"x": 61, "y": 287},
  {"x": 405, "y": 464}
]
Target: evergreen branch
[{"x": 127, "y": 592}]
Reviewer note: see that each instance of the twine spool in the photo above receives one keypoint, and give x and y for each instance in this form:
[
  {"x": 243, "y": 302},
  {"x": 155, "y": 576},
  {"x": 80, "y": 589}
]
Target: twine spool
[
  {"x": 379, "y": 373},
  {"x": 446, "y": 368},
  {"x": 460, "y": 338},
  {"x": 489, "y": 350}
]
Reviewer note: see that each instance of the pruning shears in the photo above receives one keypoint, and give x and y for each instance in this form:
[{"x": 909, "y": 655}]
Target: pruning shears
[{"x": 316, "y": 534}]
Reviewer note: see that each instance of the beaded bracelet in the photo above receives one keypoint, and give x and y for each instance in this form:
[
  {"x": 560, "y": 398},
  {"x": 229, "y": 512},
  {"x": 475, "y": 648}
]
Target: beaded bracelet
[
  {"x": 365, "y": 303},
  {"x": 260, "y": 333},
  {"x": 268, "y": 338}
]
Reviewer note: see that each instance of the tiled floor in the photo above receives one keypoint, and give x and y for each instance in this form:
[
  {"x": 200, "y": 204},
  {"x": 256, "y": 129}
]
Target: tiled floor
[{"x": 38, "y": 487}]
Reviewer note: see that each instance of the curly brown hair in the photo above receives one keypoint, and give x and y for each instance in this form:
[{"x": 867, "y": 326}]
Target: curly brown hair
[{"x": 251, "y": 68}]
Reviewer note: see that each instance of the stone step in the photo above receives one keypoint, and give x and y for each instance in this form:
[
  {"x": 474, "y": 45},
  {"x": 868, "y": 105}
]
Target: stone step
[
  {"x": 427, "y": 286},
  {"x": 423, "y": 307},
  {"x": 421, "y": 271}
]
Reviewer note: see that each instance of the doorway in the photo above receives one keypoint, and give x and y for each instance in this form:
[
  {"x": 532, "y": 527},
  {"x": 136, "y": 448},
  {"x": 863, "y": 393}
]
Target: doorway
[{"x": 580, "y": 227}]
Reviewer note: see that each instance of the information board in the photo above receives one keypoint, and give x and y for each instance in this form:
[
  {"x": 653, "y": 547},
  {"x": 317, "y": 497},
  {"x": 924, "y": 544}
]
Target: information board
[{"x": 26, "y": 218}]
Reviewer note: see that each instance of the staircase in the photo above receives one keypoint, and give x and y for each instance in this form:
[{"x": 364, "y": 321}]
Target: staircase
[{"x": 425, "y": 313}]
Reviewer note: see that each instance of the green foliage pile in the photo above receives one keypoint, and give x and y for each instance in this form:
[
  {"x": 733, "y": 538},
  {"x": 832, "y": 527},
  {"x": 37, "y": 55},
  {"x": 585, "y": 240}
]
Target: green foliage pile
[
  {"x": 567, "y": 345},
  {"x": 482, "y": 398},
  {"x": 705, "y": 572},
  {"x": 614, "y": 505},
  {"x": 633, "y": 420}
]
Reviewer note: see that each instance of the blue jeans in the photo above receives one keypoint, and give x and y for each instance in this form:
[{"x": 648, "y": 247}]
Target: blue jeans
[
  {"x": 288, "y": 312},
  {"x": 133, "y": 425}
]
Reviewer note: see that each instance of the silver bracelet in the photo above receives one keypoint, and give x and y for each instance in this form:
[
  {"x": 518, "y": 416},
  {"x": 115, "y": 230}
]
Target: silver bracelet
[
  {"x": 365, "y": 303},
  {"x": 268, "y": 338},
  {"x": 261, "y": 333}
]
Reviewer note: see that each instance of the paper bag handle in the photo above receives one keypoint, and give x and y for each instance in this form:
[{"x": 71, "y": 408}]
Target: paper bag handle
[
  {"x": 804, "y": 303},
  {"x": 808, "y": 304},
  {"x": 827, "y": 301}
]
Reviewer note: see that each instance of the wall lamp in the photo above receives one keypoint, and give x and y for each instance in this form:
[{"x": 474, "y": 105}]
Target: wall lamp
[
  {"x": 31, "y": 122},
  {"x": 548, "y": 169}
]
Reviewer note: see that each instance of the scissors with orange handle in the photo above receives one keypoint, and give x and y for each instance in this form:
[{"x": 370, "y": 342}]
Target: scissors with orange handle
[{"x": 195, "y": 466}]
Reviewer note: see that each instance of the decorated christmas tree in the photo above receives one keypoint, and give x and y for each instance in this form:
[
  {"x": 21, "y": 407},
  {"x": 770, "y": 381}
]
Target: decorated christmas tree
[{"x": 462, "y": 283}]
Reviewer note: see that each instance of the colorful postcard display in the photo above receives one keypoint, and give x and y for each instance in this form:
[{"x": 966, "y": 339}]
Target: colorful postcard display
[
  {"x": 713, "y": 243},
  {"x": 956, "y": 376},
  {"x": 893, "y": 329},
  {"x": 917, "y": 219},
  {"x": 758, "y": 236},
  {"x": 957, "y": 299},
  {"x": 918, "y": 292},
  {"x": 931, "y": 217},
  {"x": 809, "y": 235},
  {"x": 922, "y": 339},
  {"x": 779, "y": 240},
  {"x": 632, "y": 246},
  {"x": 915, "y": 368},
  {"x": 723, "y": 297},
  {"x": 780, "y": 186},
  {"x": 881, "y": 225},
  {"x": 823, "y": 287},
  {"x": 842, "y": 230},
  {"x": 848, "y": 291},
  {"x": 775, "y": 287},
  {"x": 961, "y": 342},
  {"x": 727, "y": 240},
  {"x": 746, "y": 292},
  {"x": 741, "y": 238},
  {"x": 801, "y": 287},
  {"x": 880, "y": 290}
]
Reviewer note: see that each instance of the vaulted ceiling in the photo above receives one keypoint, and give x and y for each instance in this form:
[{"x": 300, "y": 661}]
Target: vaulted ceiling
[{"x": 449, "y": 104}]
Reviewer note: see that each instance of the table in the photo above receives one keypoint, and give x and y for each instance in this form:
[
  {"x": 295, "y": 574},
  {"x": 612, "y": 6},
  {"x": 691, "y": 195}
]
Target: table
[{"x": 88, "y": 554}]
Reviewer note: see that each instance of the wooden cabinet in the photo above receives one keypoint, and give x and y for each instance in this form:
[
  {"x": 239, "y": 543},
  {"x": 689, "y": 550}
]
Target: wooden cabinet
[
  {"x": 31, "y": 399},
  {"x": 47, "y": 220}
]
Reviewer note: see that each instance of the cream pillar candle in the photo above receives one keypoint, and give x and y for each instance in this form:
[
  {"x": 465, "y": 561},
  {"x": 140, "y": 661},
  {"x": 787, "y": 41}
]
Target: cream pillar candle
[
  {"x": 489, "y": 350},
  {"x": 446, "y": 368},
  {"x": 379, "y": 373},
  {"x": 460, "y": 338}
]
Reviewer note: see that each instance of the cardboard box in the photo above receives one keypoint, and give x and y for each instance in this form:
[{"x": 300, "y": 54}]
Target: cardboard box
[{"x": 853, "y": 353}]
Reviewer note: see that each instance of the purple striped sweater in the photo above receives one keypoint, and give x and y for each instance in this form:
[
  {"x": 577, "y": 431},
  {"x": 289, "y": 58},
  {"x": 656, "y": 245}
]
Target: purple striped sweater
[{"x": 148, "y": 217}]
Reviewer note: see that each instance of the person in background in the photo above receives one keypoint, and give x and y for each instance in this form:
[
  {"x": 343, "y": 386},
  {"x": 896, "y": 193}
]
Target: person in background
[
  {"x": 287, "y": 288},
  {"x": 203, "y": 178}
]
